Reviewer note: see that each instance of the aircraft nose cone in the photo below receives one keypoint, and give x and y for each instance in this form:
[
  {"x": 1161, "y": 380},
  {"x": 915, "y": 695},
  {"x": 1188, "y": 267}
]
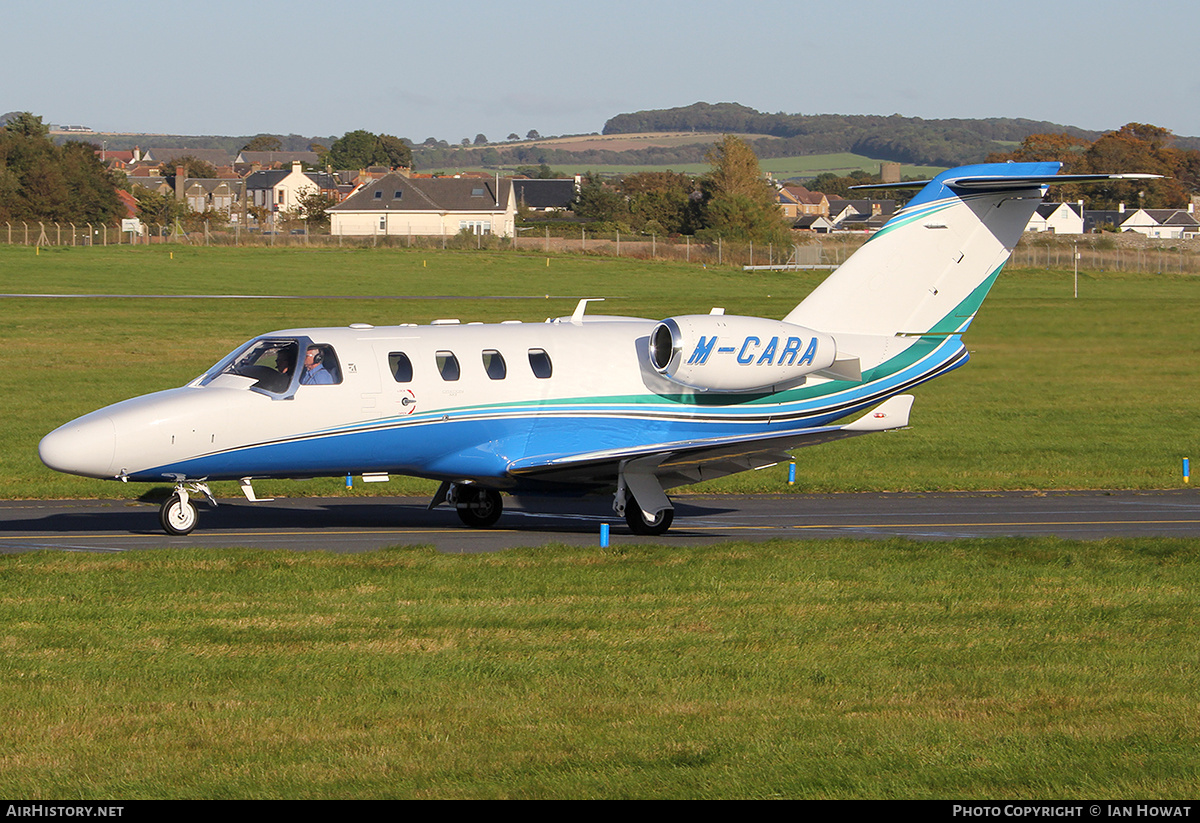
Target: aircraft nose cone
[{"x": 85, "y": 446}]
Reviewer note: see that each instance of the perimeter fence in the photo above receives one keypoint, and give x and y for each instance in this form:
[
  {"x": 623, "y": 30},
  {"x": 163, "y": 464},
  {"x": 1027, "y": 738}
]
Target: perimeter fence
[{"x": 1096, "y": 253}]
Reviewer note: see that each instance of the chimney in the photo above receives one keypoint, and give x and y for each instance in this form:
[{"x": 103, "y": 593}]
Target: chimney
[
  {"x": 295, "y": 167},
  {"x": 1121, "y": 208}
]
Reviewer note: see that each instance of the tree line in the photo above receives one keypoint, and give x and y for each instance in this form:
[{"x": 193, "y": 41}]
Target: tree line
[
  {"x": 732, "y": 201},
  {"x": 902, "y": 139},
  {"x": 40, "y": 180},
  {"x": 1135, "y": 147}
]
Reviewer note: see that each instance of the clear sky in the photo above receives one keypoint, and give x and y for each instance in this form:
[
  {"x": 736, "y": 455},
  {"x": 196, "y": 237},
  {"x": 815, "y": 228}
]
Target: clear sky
[{"x": 456, "y": 69}]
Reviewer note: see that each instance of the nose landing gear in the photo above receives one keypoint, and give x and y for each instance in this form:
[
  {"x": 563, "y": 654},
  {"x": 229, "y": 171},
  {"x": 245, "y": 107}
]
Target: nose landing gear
[{"x": 178, "y": 515}]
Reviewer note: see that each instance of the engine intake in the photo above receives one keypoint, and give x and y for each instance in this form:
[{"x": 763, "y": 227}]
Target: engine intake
[{"x": 729, "y": 353}]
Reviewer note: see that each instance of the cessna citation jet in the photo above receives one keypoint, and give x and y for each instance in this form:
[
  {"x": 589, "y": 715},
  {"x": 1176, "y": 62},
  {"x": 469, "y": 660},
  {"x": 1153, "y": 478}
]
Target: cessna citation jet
[{"x": 587, "y": 403}]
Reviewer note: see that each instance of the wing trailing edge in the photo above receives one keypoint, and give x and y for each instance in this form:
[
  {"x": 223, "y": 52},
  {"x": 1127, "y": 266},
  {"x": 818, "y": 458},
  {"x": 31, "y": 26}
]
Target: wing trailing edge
[{"x": 690, "y": 461}]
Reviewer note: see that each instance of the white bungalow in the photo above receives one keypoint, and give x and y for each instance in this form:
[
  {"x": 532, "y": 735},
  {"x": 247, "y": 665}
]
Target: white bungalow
[{"x": 429, "y": 206}]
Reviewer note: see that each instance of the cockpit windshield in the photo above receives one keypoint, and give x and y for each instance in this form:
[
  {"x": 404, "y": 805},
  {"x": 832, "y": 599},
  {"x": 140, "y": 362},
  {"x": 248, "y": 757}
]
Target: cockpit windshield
[{"x": 270, "y": 362}]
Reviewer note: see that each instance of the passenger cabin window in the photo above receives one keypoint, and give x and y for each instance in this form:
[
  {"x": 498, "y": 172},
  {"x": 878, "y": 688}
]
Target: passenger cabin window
[
  {"x": 320, "y": 366},
  {"x": 400, "y": 367},
  {"x": 447, "y": 365},
  {"x": 539, "y": 361},
  {"x": 493, "y": 364}
]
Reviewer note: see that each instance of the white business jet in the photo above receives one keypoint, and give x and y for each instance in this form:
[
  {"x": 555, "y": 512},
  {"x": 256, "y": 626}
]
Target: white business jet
[{"x": 586, "y": 403}]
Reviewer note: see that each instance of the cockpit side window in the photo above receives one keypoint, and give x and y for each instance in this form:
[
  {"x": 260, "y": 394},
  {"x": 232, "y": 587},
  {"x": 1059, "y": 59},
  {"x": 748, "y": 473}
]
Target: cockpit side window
[{"x": 320, "y": 366}]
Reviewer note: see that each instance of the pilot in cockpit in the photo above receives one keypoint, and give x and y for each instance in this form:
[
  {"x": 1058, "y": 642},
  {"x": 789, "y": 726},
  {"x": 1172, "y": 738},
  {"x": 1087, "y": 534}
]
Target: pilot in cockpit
[{"x": 315, "y": 373}]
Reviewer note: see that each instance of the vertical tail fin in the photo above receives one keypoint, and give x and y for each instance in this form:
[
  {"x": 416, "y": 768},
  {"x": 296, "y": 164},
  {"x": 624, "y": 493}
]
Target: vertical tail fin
[{"x": 928, "y": 269}]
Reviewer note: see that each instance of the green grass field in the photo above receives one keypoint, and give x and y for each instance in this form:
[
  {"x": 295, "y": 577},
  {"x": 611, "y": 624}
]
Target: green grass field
[
  {"x": 987, "y": 669},
  {"x": 999, "y": 669},
  {"x": 1061, "y": 393}
]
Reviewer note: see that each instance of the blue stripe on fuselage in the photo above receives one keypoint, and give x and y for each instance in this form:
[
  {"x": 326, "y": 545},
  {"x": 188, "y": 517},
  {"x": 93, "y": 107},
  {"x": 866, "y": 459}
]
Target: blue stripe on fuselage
[{"x": 482, "y": 442}]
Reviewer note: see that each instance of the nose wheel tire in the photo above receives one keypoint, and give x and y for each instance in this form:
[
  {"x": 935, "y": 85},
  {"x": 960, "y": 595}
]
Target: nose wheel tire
[
  {"x": 638, "y": 524},
  {"x": 479, "y": 508},
  {"x": 178, "y": 517}
]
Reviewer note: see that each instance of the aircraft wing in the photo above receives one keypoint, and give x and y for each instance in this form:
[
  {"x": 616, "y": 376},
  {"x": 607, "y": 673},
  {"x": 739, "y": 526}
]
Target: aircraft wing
[{"x": 690, "y": 461}]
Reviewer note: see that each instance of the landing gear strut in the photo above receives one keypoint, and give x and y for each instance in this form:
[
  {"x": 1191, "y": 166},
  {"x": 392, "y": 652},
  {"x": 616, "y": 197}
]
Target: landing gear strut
[{"x": 178, "y": 515}]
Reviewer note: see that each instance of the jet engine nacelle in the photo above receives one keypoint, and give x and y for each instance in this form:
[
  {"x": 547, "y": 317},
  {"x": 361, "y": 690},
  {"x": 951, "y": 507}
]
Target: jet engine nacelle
[{"x": 728, "y": 353}]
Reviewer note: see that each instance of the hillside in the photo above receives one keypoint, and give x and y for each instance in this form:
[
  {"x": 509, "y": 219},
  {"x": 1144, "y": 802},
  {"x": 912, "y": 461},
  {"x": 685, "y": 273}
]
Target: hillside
[
  {"x": 679, "y": 137},
  {"x": 902, "y": 139}
]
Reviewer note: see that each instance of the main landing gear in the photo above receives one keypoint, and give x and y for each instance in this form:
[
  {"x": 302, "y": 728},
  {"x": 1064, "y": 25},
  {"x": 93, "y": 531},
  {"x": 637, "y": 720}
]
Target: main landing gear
[
  {"x": 639, "y": 524},
  {"x": 641, "y": 500},
  {"x": 477, "y": 507},
  {"x": 178, "y": 515}
]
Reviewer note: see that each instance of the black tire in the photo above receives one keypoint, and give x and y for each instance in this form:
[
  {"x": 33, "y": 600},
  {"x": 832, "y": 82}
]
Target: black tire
[
  {"x": 638, "y": 524},
  {"x": 479, "y": 508},
  {"x": 176, "y": 517}
]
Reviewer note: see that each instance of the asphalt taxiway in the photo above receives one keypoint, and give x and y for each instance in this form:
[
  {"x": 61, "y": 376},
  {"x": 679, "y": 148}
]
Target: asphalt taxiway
[{"x": 353, "y": 524}]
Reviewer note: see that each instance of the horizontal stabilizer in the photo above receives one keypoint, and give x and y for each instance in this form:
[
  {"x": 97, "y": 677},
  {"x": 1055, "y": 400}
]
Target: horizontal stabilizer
[{"x": 994, "y": 183}]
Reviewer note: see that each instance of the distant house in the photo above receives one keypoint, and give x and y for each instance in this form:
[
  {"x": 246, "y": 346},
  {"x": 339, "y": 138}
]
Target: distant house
[
  {"x": 797, "y": 201},
  {"x": 1160, "y": 223},
  {"x": 213, "y": 195},
  {"x": 1057, "y": 218},
  {"x": 437, "y": 206},
  {"x": 859, "y": 215},
  {"x": 818, "y": 223},
  {"x": 546, "y": 195},
  {"x": 281, "y": 189}
]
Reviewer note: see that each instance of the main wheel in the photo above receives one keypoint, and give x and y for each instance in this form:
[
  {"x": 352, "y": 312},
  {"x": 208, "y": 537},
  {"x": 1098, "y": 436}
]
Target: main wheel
[
  {"x": 178, "y": 517},
  {"x": 638, "y": 524},
  {"x": 479, "y": 508}
]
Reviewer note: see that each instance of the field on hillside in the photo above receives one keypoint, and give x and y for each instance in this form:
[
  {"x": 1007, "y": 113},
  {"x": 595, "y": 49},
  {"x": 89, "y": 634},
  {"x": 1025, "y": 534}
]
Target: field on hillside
[
  {"x": 1097, "y": 392},
  {"x": 781, "y": 168}
]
